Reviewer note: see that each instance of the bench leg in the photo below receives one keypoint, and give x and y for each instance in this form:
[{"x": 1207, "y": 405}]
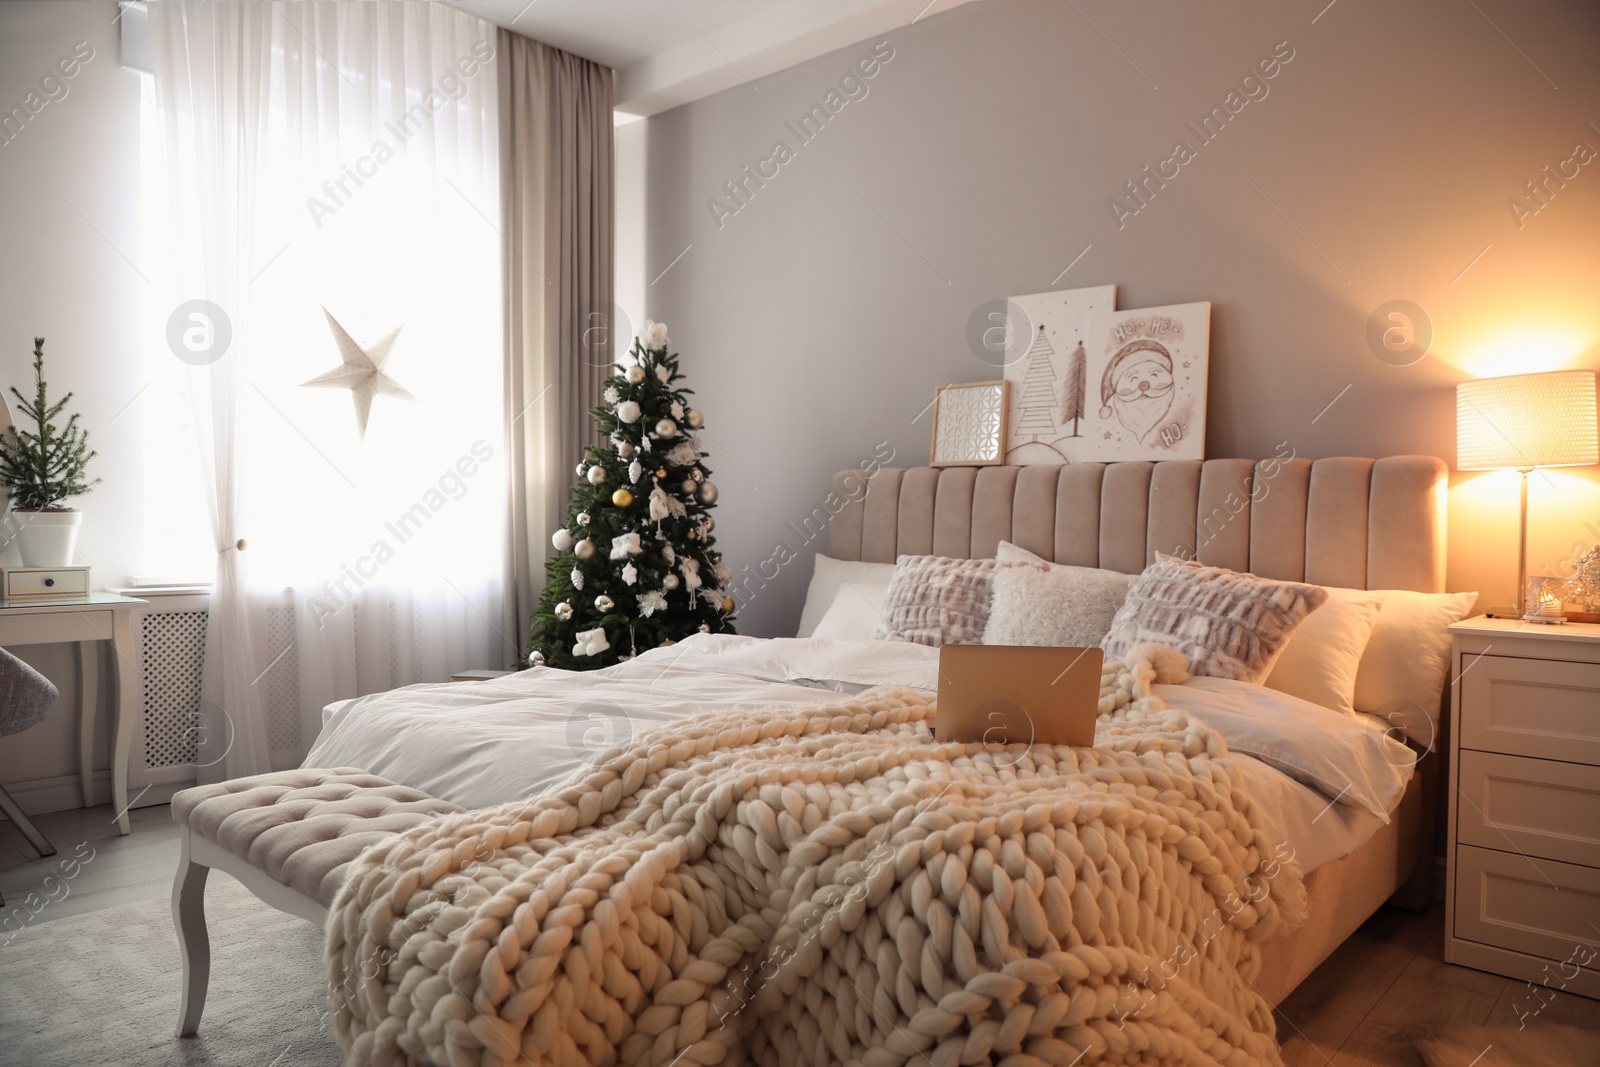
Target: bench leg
[{"x": 194, "y": 946}]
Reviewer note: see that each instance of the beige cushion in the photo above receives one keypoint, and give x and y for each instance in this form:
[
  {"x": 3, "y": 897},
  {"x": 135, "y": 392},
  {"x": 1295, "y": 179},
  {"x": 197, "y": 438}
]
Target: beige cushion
[
  {"x": 1320, "y": 661},
  {"x": 1230, "y": 625},
  {"x": 302, "y": 827},
  {"x": 936, "y": 600}
]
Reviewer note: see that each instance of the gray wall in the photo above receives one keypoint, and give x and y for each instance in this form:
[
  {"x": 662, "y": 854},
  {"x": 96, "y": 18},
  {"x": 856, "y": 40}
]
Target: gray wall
[
  {"x": 70, "y": 264},
  {"x": 817, "y": 321}
]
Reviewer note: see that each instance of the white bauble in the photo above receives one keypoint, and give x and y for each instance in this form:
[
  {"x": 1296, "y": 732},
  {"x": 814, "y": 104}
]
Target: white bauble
[
  {"x": 582, "y": 466},
  {"x": 597, "y": 475},
  {"x": 604, "y": 603},
  {"x": 562, "y": 539},
  {"x": 666, "y": 428},
  {"x": 635, "y": 374},
  {"x": 536, "y": 658},
  {"x": 696, "y": 419},
  {"x": 563, "y": 611},
  {"x": 670, "y": 581},
  {"x": 583, "y": 518},
  {"x": 584, "y": 549},
  {"x": 628, "y": 412}
]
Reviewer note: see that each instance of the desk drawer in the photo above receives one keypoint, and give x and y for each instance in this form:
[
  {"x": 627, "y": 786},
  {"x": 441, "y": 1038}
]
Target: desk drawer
[
  {"x": 41, "y": 582},
  {"x": 1547, "y": 709},
  {"x": 1540, "y": 807},
  {"x": 1537, "y": 906}
]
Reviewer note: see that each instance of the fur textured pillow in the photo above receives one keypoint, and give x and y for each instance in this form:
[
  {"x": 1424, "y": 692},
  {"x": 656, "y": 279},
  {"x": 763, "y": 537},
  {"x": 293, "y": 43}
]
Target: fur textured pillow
[
  {"x": 1230, "y": 625},
  {"x": 936, "y": 600},
  {"x": 1045, "y": 604}
]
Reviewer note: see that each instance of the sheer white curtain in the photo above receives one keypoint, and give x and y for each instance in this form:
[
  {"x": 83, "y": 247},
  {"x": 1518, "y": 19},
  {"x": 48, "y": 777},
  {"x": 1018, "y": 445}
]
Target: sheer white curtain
[{"x": 338, "y": 163}]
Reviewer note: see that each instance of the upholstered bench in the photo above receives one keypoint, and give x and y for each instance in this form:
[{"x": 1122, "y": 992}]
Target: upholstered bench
[{"x": 288, "y": 837}]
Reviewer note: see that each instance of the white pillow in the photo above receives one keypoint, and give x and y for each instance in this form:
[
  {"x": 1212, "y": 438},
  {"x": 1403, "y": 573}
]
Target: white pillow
[
  {"x": 1320, "y": 661},
  {"x": 855, "y": 613},
  {"x": 826, "y": 579},
  {"x": 1010, "y": 553},
  {"x": 1050, "y": 604},
  {"x": 1404, "y": 668}
]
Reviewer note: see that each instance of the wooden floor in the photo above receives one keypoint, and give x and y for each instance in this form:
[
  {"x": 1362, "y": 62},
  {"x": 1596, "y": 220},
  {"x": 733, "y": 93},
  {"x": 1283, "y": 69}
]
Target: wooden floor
[
  {"x": 1388, "y": 987},
  {"x": 1385, "y": 988}
]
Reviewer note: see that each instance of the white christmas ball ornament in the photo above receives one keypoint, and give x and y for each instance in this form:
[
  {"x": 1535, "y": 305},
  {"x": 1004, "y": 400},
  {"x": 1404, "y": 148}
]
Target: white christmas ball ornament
[
  {"x": 628, "y": 412},
  {"x": 666, "y": 428},
  {"x": 603, "y": 602},
  {"x": 582, "y": 466},
  {"x": 670, "y": 581},
  {"x": 583, "y": 518},
  {"x": 597, "y": 475},
  {"x": 696, "y": 419},
  {"x": 536, "y": 658},
  {"x": 707, "y": 493},
  {"x": 562, "y": 539},
  {"x": 584, "y": 549},
  {"x": 636, "y": 374},
  {"x": 563, "y": 611}
]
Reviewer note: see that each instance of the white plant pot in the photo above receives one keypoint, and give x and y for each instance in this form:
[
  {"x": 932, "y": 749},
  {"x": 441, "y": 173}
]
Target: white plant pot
[{"x": 47, "y": 538}]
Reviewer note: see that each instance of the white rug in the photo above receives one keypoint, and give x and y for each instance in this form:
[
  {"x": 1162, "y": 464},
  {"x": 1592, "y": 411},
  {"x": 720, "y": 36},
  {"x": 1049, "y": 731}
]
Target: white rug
[{"x": 102, "y": 988}]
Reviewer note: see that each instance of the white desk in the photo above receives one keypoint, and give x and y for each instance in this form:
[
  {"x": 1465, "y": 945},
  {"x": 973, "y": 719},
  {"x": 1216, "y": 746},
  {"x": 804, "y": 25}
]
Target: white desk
[{"x": 86, "y": 620}]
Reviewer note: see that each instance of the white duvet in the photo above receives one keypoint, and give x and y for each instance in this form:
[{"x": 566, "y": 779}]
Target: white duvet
[{"x": 1324, "y": 780}]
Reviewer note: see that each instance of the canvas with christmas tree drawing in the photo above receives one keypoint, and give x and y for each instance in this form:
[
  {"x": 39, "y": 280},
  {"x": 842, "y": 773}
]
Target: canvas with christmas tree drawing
[
  {"x": 636, "y": 565},
  {"x": 1050, "y": 391}
]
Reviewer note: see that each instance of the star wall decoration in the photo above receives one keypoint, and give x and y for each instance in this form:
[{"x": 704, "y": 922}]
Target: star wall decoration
[{"x": 360, "y": 371}]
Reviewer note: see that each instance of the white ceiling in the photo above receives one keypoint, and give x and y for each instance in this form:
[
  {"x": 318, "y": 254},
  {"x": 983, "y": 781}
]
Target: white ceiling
[{"x": 669, "y": 52}]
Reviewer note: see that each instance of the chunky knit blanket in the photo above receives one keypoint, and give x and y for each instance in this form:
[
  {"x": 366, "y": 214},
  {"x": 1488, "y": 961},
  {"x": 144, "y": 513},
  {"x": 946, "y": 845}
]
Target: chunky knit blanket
[{"x": 833, "y": 886}]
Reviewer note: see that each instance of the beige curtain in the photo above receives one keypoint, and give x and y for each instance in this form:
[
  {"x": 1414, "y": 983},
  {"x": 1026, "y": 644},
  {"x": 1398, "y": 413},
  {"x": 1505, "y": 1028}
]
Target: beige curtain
[{"x": 558, "y": 195}]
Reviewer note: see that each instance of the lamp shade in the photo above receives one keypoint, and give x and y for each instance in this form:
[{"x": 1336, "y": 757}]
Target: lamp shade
[{"x": 1527, "y": 420}]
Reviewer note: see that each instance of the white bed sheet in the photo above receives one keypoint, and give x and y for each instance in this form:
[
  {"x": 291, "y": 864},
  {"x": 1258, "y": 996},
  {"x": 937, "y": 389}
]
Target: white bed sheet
[{"x": 484, "y": 743}]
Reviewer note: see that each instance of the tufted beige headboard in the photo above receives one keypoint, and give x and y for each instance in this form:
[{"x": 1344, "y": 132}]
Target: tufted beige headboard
[{"x": 1354, "y": 523}]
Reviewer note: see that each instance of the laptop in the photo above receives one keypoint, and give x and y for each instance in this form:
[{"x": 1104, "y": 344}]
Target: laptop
[{"x": 1018, "y": 694}]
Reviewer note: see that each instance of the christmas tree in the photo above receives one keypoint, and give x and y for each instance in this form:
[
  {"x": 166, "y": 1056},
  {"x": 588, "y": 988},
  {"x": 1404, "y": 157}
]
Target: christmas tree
[
  {"x": 636, "y": 567},
  {"x": 1036, "y": 408},
  {"x": 1072, "y": 390}
]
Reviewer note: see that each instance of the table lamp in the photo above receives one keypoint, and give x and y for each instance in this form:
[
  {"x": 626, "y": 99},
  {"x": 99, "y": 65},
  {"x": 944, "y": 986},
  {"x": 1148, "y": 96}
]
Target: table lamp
[{"x": 1524, "y": 421}]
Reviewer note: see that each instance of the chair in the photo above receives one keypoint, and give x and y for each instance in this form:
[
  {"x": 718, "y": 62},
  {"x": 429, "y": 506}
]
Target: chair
[{"x": 26, "y": 698}]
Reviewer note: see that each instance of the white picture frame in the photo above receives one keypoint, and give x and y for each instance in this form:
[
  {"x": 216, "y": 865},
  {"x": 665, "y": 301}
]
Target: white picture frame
[
  {"x": 969, "y": 424},
  {"x": 1048, "y": 421},
  {"x": 1147, "y": 371}
]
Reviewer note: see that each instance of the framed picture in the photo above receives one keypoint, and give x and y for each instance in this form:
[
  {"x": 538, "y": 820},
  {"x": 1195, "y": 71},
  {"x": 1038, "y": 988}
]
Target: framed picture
[
  {"x": 1049, "y": 381},
  {"x": 969, "y": 424},
  {"x": 1146, "y": 373}
]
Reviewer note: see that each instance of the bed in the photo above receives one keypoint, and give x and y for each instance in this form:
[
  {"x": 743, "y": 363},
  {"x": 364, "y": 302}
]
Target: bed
[{"x": 1353, "y": 523}]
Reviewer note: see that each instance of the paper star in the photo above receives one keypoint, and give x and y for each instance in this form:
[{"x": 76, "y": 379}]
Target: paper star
[{"x": 361, "y": 372}]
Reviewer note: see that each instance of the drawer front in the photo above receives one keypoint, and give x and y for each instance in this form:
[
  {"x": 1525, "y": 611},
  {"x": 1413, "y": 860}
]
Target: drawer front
[
  {"x": 23, "y": 626},
  {"x": 1541, "y": 907},
  {"x": 1545, "y": 809},
  {"x": 70, "y": 581},
  {"x": 1548, "y": 709}
]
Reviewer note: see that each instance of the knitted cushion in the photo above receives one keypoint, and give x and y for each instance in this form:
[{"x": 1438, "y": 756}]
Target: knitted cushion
[
  {"x": 26, "y": 696},
  {"x": 935, "y": 600},
  {"x": 1230, "y": 625},
  {"x": 303, "y": 827}
]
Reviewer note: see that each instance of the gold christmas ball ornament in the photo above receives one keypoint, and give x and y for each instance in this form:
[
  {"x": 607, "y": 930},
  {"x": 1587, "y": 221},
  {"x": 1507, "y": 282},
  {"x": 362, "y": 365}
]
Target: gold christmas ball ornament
[
  {"x": 711, "y": 524},
  {"x": 687, "y": 486},
  {"x": 698, "y": 475},
  {"x": 661, "y": 472},
  {"x": 727, "y": 605},
  {"x": 625, "y": 450},
  {"x": 707, "y": 493},
  {"x": 622, "y": 498},
  {"x": 695, "y": 419},
  {"x": 584, "y": 549},
  {"x": 666, "y": 428},
  {"x": 636, "y": 374},
  {"x": 670, "y": 582}
]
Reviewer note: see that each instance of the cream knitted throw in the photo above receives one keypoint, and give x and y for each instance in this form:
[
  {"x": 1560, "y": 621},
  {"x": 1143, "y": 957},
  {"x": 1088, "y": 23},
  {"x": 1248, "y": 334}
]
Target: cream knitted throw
[{"x": 832, "y": 886}]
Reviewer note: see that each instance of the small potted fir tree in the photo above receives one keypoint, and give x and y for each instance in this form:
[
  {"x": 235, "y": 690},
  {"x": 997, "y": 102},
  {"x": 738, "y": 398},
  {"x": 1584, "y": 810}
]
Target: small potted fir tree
[{"x": 42, "y": 465}]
